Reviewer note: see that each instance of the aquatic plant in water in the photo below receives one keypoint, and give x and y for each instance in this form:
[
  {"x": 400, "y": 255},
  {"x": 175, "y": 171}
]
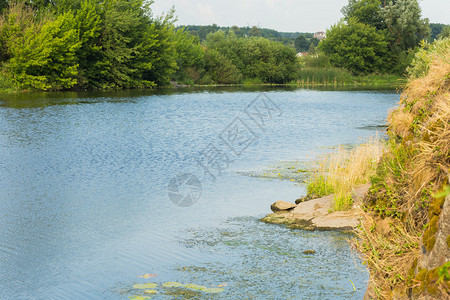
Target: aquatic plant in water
[{"x": 144, "y": 290}]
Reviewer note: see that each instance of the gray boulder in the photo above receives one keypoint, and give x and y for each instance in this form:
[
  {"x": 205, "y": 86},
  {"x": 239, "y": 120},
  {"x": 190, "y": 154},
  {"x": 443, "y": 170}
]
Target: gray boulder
[{"x": 282, "y": 206}]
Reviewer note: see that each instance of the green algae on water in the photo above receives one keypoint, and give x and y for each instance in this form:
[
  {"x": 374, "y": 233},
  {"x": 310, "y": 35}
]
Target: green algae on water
[{"x": 143, "y": 286}]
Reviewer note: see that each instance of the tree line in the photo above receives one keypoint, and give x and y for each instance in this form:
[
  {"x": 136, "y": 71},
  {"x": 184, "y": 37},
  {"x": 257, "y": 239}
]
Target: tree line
[
  {"x": 96, "y": 44},
  {"x": 287, "y": 38},
  {"x": 105, "y": 44}
]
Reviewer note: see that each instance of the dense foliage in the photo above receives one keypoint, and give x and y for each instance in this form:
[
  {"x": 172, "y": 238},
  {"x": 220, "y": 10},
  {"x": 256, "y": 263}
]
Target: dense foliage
[
  {"x": 96, "y": 44},
  {"x": 256, "y": 57},
  {"x": 369, "y": 25},
  {"x": 436, "y": 29},
  {"x": 356, "y": 46},
  {"x": 88, "y": 44},
  {"x": 93, "y": 44}
]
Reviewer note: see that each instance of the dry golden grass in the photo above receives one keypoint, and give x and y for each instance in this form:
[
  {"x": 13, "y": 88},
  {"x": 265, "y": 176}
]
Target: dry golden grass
[
  {"x": 423, "y": 122},
  {"x": 347, "y": 168},
  {"x": 432, "y": 161},
  {"x": 421, "y": 96},
  {"x": 400, "y": 122},
  {"x": 414, "y": 169},
  {"x": 389, "y": 251}
]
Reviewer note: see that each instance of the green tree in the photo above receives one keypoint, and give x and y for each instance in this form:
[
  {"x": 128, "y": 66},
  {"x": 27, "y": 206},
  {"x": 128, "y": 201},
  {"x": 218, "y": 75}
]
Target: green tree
[
  {"x": 123, "y": 47},
  {"x": 124, "y": 28},
  {"x": 254, "y": 31},
  {"x": 41, "y": 52},
  {"x": 301, "y": 44},
  {"x": 237, "y": 31},
  {"x": 355, "y": 46},
  {"x": 190, "y": 56},
  {"x": 445, "y": 33},
  {"x": 312, "y": 49},
  {"x": 314, "y": 41},
  {"x": 404, "y": 24},
  {"x": 89, "y": 24},
  {"x": 221, "y": 69},
  {"x": 436, "y": 29},
  {"x": 160, "y": 53},
  {"x": 366, "y": 11},
  {"x": 256, "y": 57}
]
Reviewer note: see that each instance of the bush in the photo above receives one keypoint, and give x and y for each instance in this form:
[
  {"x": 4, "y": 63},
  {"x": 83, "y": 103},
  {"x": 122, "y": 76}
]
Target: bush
[
  {"x": 356, "y": 46},
  {"x": 256, "y": 57},
  {"x": 220, "y": 69},
  {"x": 42, "y": 52},
  {"x": 319, "y": 60},
  {"x": 421, "y": 62}
]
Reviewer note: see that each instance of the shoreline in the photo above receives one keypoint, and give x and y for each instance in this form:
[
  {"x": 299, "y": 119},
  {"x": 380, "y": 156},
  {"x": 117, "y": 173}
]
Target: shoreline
[
  {"x": 316, "y": 214},
  {"x": 175, "y": 85}
]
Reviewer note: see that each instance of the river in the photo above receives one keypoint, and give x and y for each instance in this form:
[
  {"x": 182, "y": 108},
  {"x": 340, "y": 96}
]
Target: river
[{"x": 91, "y": 193}]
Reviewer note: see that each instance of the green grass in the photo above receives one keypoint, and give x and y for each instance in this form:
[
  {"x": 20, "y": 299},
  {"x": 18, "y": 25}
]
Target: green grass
[
  {"x": 252, "y": 81},
  {"x": 320, "y": 186},
  {"x": 342, "y": 202},
  {"x": 341, "y": 171},
  {"x": 335, "y": 76},
  {"x": 324, "y": 76}
]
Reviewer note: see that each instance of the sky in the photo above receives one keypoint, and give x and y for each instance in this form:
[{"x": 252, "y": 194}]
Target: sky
[{"x": 281, "y": 15}]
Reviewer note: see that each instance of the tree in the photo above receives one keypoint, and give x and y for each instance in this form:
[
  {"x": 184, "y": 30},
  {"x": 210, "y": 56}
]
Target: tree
[
  {"x": 254, "y": 31},
  {"x": 366, "y": 11},
  {"x": 301, "y": 44},
  {"x": 312, "y": 49},
  {"x": 89, "y": 24},
  {"x": 41, "y": 52},
  {"x": 445, "y": 33},
  {"x": 256, "y": 57},
  {"x": 436, "y": 29},
  {"x": 355, "y": 46},
  {"x": 190, "y": 56},
  {"x": 236, "y": 30},
  {"x": 159, "y": 56},
  {"x": 315, "y": 41},
  {"x": 220, "y": 68},
  {"x": 404, "y": 24}
]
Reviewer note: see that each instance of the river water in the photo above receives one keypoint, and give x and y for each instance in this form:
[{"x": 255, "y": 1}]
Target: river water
[{"x": 91, "y": 193}]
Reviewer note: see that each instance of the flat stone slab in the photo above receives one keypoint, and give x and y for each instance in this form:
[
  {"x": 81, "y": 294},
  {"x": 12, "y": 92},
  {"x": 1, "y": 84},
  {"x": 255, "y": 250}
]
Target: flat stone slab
[{"x": 316, "y": 214}]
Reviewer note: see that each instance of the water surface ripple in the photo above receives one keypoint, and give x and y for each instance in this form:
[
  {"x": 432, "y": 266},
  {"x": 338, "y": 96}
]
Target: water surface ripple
[{"x": 83, "y": 194}]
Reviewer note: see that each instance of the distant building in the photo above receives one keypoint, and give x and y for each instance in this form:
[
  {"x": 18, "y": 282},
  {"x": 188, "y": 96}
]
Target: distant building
[
  {"x": 301, "y": 54},
  {"x": 320, "y": 35}
]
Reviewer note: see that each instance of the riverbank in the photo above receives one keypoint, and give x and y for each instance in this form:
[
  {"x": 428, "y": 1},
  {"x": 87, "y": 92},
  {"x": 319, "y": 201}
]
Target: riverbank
[
  {"x": 404, "y": 235},
  {"x": 318, "y": 214},
  {"x": 409, "y": 257},
  {"x": 370, "y": 82}
]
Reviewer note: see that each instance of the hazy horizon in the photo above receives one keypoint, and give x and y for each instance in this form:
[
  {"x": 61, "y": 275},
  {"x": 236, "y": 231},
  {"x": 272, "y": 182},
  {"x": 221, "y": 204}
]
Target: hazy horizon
[{"x": 280, "y": 15}]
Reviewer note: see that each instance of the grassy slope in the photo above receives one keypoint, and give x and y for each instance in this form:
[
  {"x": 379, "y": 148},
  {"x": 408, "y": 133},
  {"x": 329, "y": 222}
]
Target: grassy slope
[{"x": 410, "y": 185}]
